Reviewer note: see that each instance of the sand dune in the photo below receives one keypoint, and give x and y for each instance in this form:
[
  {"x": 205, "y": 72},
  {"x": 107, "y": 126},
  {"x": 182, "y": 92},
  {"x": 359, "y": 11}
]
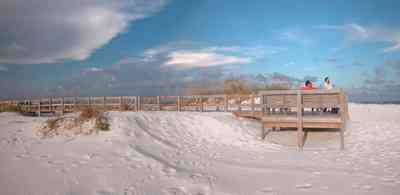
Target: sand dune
[{"x": 199, "y": 153}]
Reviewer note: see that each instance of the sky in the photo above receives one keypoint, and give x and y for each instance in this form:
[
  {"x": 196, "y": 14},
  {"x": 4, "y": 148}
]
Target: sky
[{"x": 148, "y": 47}]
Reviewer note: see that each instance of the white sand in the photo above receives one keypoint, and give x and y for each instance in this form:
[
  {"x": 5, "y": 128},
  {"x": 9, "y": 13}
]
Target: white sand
[{"x": 198, "y": 153}]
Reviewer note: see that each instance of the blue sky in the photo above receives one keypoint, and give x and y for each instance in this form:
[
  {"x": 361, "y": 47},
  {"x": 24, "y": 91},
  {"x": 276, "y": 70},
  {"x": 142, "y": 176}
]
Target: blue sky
[{"x": 102, "y": 47}]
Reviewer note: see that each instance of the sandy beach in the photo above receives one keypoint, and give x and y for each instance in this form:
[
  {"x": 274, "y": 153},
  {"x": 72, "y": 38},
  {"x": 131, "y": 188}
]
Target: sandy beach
[{"x": 195, "y": 153}]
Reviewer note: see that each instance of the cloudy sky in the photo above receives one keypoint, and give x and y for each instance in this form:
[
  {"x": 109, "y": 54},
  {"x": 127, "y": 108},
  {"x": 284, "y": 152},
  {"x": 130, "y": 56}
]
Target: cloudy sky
[{"x": 126, "y": 47}]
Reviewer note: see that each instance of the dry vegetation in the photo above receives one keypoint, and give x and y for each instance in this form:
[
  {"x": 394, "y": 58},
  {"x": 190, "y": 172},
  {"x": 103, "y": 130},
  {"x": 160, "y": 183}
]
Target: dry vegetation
[
  {"x": 232, "y": 87},
  {"x": 10, "y": 108},
  {"x": 235, "y": 86},
  {"x": 89, "y": 121}
]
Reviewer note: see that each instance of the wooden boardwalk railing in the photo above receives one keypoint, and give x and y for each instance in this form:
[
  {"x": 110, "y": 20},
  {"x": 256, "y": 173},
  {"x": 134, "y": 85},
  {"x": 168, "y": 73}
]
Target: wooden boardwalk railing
[
  {"x": 201, "y": 103},
  {"x": 275, "y": 109},
  {"x": 319, "y": 109}
]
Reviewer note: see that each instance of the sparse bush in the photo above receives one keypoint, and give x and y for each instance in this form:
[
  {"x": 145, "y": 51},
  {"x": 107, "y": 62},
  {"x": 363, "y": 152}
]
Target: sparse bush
[
  {"x": 235, "y": 86},
  {"x": 10, "y": 108},
  {"x": 52, "y": 123},
  {"x": 89, "y": 113},
  {"x": 102, "y": 123},
  {"x": 125, "y": 107}
]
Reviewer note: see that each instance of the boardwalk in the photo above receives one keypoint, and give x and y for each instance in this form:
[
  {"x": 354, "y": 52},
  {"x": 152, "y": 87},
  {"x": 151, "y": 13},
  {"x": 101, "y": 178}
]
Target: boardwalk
[{"x": 274, "y": 109}]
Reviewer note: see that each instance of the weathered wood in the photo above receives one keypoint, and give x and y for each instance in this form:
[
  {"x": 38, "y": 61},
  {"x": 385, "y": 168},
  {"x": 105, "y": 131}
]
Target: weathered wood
[
  {"x": 343, "y": 115},
  {"x": 138, "y": 103},
  {"x": 120, "y": 103},
  {"x": 300, "y": 134},
  {"x": 226, "y": 103},
  {"x": 179, "y": 104},
  {"x": 63, "y": 106},
  {"x": 252, "y": 103},
  {"x": 158, "y": 103},
  {"x": 201, "y": 104},
  {"x": 104, "y": 102},
  {"x": 304, "y": 92},
  {"x": 50, "y": 104},
  {"x": 39, "y": 108}
]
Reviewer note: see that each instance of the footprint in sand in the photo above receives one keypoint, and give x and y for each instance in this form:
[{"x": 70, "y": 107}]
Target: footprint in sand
[
  {"x": 44, "y": 156},
  {"x": 104, "y": 192},
  {"x": 176, "y": 191},
  {"x": 267, "y": 190},
  {"x": 89, "y": 156},
  {"x": 21, "y": 156},
  {"x": 168, "y": 171},
  {"x": 304, "y": 186},
  {"x": 367, "y": 187}
]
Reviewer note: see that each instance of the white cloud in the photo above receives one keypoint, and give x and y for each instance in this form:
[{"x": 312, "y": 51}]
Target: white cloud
[
  {"x": 193, "y": 59},
  {"x": 357, "y": 32},
  {"x": 42, "y": 31},
  {"x": 187, "y": 55}
]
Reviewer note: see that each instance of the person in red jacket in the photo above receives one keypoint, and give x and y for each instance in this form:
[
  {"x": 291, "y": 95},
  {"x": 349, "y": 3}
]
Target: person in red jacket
[{"x": 308, "y": 86}]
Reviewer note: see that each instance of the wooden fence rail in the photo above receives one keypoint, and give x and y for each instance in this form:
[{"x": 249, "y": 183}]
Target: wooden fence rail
[{"x": 203, "y": 103}]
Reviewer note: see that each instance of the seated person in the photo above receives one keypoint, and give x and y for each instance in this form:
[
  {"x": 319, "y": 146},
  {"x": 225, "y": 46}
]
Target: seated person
[
  {"x": 327, "y": 83},
  {"x": 308, "y": 86}
]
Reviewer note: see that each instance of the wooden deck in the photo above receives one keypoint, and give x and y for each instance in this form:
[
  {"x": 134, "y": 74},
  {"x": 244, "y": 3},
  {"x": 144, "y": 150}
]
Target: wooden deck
[{"x": 301, "y": 110}]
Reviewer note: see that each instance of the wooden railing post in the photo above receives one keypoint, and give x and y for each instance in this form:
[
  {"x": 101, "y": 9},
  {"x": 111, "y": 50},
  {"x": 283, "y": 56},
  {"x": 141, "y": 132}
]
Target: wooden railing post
[
  {"x": 179, "y": 103},
  {"x": 201, "y": 104},
  {"x": 240, "y": 104},
  {"x": 62, "y": 106},
  {"x": 158, "y": 103},
  {"x": 50, "y": 104},
  {"x": 104, "y": 103},
  {"x": 252, "y": 104},
  {"x": 120, "y": 103},
  {"x": 226, "y": 103},
  {"x": 138, "y": 103},
  {"x": 39, "y": 108},
  {"x": 75, "y": 106},
  {"x": 300, "y": 134},
  {"x": 343, "y": 114},
  {"x": 89, "y": 101}
]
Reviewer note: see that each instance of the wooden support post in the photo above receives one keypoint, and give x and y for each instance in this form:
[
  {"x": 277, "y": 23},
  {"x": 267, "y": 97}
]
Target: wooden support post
[
  {"x": 201, "y": 104},
  {"x": 300, "y": 133},
  {"x": 179, "y": 104},
  {"x": 138, "y": 103},
  {"x": 39, "y": 108},
  {"x": 343, "y": 116},
  {"x": 216, "y": 104},
  {"x": 62, "y": 106},
  {"x": 226, "y": 103},
  {"x": 104, "y": 103},
  {"x": 252, "y": 104},
  {"x": 89, "y": 101},
  {"x": 120, "y": 103},
  {"x": 158, "y": 103},
  {"x": 240, "y": 104},
  {"x": 50, "y": 104},
  {"x": 75, "y": 106}
]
